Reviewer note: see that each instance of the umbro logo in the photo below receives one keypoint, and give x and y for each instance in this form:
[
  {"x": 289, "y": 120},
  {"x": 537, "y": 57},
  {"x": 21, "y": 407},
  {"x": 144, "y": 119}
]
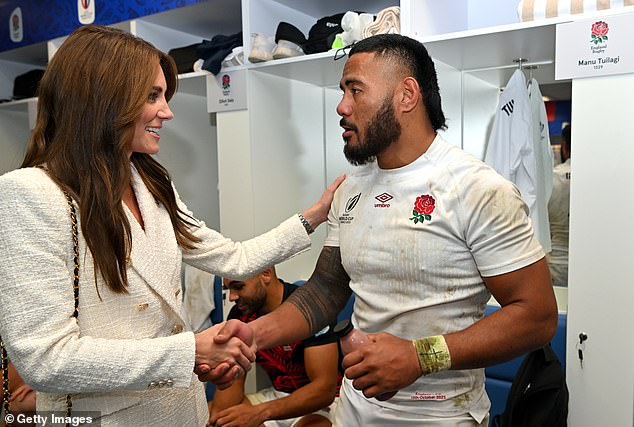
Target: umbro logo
[{"x": 383, "y": 198}]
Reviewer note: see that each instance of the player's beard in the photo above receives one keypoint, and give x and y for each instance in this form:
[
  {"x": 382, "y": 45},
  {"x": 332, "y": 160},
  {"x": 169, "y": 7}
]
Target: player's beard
[{"x": 382, "y": 131}]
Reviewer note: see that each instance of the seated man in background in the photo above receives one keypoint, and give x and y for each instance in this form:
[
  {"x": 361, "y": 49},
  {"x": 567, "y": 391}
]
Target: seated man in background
[{"x": 305, "y": 374}]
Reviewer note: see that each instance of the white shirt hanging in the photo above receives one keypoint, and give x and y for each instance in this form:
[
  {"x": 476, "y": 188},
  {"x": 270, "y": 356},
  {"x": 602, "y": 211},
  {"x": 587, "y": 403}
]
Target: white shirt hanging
[
  {"x": 544, "y": 163},
  {"x": 510, "y": 150}
]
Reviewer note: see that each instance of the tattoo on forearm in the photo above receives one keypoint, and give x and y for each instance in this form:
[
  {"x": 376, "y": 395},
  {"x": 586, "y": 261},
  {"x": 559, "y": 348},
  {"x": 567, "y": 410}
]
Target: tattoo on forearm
[{"x": 326, "y": 292}]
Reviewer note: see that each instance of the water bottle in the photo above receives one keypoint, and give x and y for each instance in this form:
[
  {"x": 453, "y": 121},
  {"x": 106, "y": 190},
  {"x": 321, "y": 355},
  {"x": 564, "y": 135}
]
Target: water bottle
[{"x": 351, "y": 339}]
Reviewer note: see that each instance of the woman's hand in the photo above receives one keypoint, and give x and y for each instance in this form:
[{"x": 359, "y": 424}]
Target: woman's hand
[
  {"x": 221, "y": 360},
  {"x": 22, "y": 399},
  {"x": 318, "y": 212}
]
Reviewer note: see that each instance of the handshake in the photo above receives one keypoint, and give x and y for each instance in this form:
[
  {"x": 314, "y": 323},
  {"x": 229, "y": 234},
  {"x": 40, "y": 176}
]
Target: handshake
[{"x": 224, "y": 352}]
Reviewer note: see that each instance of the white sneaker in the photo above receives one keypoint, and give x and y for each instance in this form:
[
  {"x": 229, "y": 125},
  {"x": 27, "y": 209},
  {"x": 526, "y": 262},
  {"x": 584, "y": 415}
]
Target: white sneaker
[
  {"x": 262, "y": 49},
  {"x": 235, "y": 57},
  {"x": 286, "y": 49}
]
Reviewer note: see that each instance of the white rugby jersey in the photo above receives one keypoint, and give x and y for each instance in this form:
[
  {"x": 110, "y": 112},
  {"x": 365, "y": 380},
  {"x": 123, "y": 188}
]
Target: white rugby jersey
[
  {"x": 416, "y": 242},
  {"x": 511, "y": 151},
  {"x": 544, "y": 164}
]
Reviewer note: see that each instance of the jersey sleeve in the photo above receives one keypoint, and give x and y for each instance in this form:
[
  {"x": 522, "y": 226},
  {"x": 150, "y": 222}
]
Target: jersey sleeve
[
  {"x": 498, "y": 229},
  {"x": 332, "y": 238}
]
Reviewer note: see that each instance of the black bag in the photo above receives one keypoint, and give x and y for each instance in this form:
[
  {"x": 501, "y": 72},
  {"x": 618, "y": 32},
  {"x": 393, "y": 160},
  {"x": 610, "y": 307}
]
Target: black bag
[
  {"x": 25, "y": 85},
  {"x": 184, "y": 57},
  {"x": 539, "y": 395},
  {"x": 322, "y": 34}
]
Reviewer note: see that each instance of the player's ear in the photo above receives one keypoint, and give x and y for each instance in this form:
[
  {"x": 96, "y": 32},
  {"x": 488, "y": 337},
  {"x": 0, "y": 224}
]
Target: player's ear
[
  {"x": 409, "y": 94},
  {"x": 267, "y": 275}
]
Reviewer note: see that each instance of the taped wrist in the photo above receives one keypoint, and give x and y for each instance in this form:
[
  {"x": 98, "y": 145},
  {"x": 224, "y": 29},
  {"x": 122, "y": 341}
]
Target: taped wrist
[{"x": 433, "y": 354}]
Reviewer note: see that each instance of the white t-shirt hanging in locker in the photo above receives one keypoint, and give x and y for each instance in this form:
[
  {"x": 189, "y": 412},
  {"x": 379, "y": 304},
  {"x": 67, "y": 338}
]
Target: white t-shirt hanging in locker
[
  {"x": 510, "y": 150},
  {"x": 544, "y": 162}
]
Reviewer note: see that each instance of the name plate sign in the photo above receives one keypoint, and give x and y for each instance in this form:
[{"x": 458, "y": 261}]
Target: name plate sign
[{"x": 599, "y": 47}]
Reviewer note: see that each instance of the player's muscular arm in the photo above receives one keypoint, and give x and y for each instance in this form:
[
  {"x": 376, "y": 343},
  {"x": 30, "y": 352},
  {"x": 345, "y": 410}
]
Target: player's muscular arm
[
  {"x": 310, "y": 307},
  {"x": 326, "y": 292}
]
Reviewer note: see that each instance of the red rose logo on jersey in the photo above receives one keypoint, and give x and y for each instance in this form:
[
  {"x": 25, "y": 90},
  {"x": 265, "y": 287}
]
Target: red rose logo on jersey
[{"x": 423, "y": 207}]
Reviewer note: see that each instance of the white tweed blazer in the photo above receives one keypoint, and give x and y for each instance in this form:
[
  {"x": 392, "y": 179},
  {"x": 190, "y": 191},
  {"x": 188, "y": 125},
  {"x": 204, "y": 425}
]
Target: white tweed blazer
[{"x": 129, "y": 356}]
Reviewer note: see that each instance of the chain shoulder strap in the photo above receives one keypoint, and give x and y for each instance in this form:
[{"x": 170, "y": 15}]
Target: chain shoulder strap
[
  {"x": 5, "y": 360},
  {"x": 73, "y": 222},
  {"x": 5, "y": 380}
]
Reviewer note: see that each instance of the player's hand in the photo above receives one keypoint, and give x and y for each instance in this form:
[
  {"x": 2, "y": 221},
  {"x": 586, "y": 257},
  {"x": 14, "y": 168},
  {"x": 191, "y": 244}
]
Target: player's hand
[{"x": 389, "y": 363}]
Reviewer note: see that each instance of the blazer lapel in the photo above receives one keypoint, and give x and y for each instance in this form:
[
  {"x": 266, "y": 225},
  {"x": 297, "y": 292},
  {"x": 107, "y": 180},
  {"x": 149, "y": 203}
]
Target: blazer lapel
[{"x": 155, "y": 254}]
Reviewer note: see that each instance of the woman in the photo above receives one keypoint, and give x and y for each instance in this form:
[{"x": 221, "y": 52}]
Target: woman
[{"x": 128, "y": 355}]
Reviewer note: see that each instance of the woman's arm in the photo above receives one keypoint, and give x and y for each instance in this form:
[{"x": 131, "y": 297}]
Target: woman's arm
[{"x": 219, "y": 255}]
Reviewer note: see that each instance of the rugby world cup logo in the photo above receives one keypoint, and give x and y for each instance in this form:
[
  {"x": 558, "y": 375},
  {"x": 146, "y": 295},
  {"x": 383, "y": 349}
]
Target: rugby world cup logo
[{"x": 352, "y": 202}]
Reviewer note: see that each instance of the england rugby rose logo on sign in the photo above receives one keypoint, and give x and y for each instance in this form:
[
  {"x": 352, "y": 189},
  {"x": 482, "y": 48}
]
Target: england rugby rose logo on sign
[
  {"x": 423, "y": 207},
  {"x": 599, "y": 32}
]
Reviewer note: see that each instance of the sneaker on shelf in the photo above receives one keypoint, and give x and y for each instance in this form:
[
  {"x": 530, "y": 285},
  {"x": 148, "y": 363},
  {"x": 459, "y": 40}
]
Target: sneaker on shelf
[
  {"x": 238, "y": 56},
  {"x": 286, "y": 49},
  {"x": 388, "y": 21},
  {"x": 289, "y": 41},
  {"x": 235, "y": 58},
  {"x": 262, "y": 49}
]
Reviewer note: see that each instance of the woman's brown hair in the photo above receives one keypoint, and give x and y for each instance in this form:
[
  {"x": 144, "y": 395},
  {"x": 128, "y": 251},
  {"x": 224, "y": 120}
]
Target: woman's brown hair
[{"x": 92, "y": 92}]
